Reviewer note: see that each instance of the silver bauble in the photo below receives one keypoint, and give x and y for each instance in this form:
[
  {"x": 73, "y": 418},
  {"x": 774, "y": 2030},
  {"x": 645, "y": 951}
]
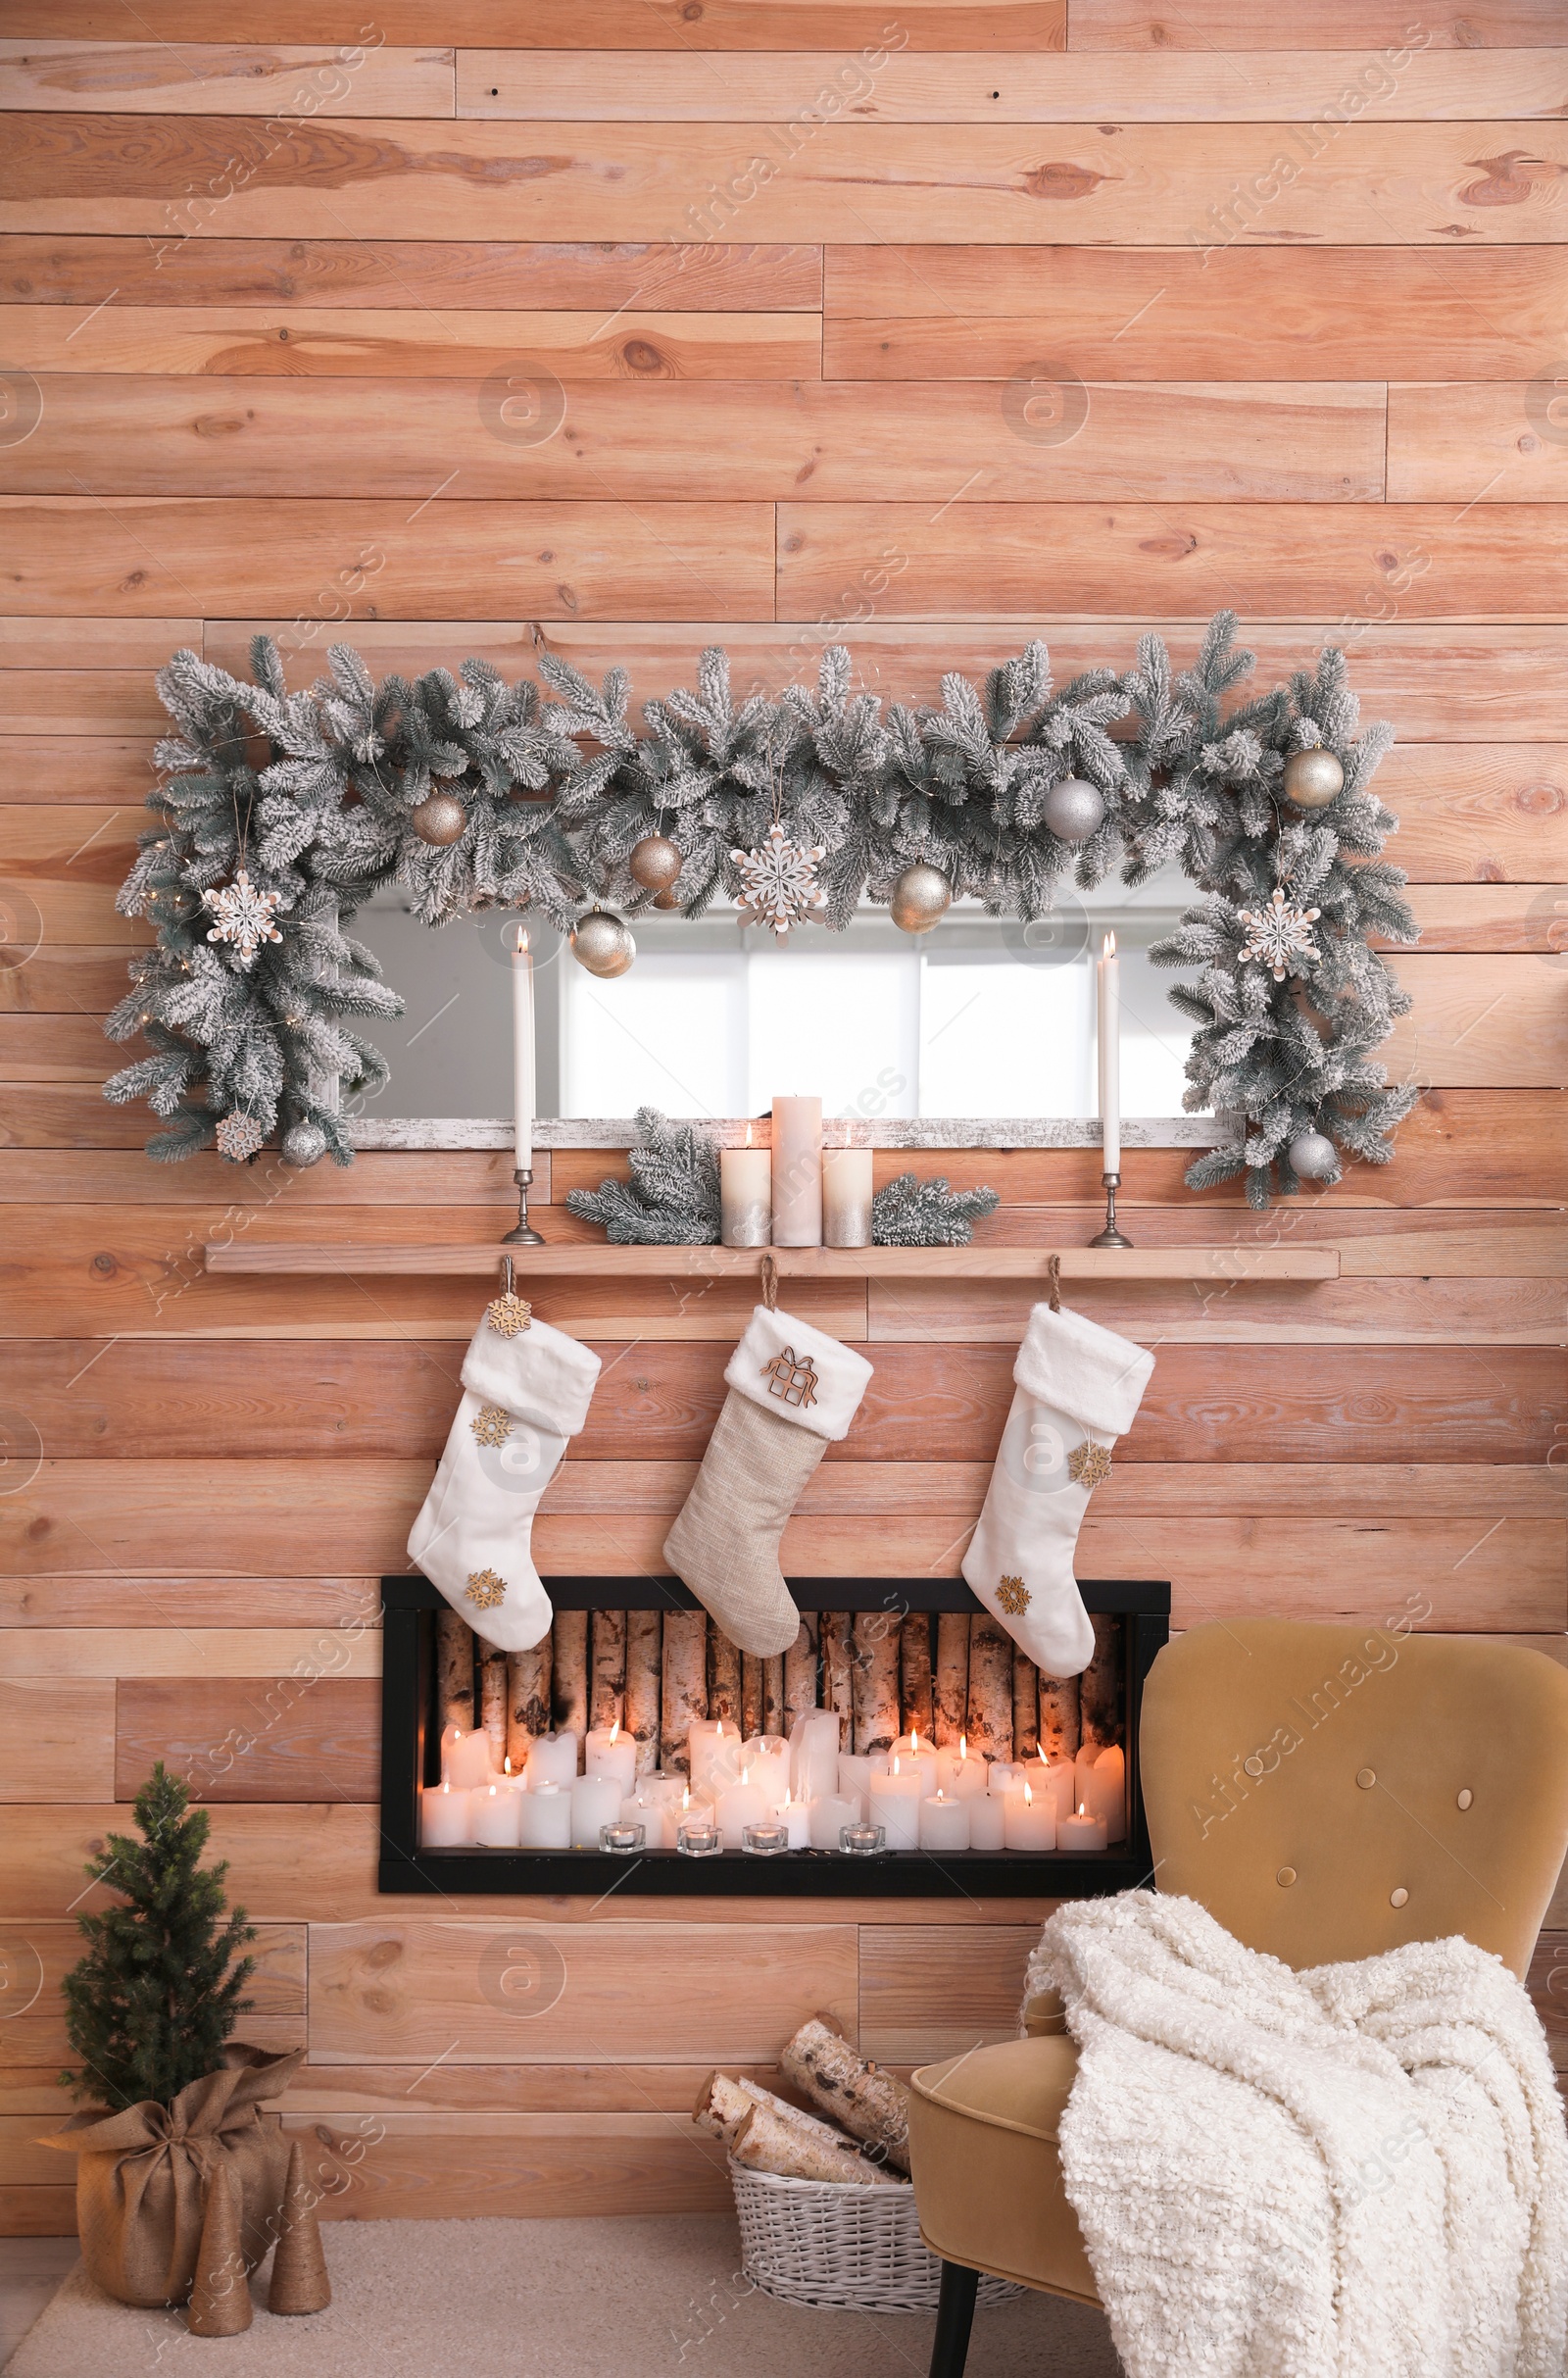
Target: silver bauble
[
  {"x": 656, "y": 861},
  {"x": 1312, "y": 1157},
  {"x": 440, "y": 819},
  {"x": 1312, "y": 779},
  {"x": 304, "y": 1143},
  {"x": 921, "y": 898},
  {"x": 601, "y": 943},
  {"x": 1073, "y": 809}
]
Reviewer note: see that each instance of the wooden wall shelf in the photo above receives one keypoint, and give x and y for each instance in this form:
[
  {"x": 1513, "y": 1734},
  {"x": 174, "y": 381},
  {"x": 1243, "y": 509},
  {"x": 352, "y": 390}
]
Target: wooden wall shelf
[{"x": 570, "y": 1259}]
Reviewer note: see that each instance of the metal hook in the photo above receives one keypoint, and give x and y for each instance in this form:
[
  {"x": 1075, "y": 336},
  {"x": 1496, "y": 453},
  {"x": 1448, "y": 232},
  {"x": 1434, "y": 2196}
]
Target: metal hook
[
  {"x": 769, "y": 1283},
  {"x": 506, "y": 1276},
  {"x": 1054, "y": 1273}
]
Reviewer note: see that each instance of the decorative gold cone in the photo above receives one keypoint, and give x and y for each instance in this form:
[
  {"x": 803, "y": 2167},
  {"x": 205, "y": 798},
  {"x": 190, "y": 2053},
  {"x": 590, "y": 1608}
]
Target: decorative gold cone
[
  {"x": 300, "y": 2283},
  {"x": 220, "y": 2296}
]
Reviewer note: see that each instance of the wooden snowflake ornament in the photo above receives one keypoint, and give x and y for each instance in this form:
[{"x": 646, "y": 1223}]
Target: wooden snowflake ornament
[
  {"x": 507, "y": 1315},
  {"x": 485, "y": 1590},
  {"x": 1015, "y": 1596},
  {"x": 491, "y": 1425},
  {"x": 244, "y": 916},
  {"x": 778, "y": 881},
  {"x": 1089, "y": 1465},
  {"x": 239, "y": 1136},
  {"x": 1279, "y": 934}
]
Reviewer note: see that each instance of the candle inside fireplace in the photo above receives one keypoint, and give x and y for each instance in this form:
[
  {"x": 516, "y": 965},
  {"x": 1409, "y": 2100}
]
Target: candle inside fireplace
[
  {"x": 608, "y": 1752},
  {"x": 552, "y": 1759},
  {"x": 741, "y": 1804},
  {"x": 444, "y": 1818},
  {"x": 987, "y": 1821},
  {"x": 496, "y": 1818},
  {"x": 544, "y": 1817},
  {"x": 814, "y": 1754},
  {"x": 465, "y": 1758},
  {"x": 1028, "y": 1823},
  {"x": 1081, "y": 1832},
  {"x": 595, "y": 1802},
  {"x": 894, "y": 1804},
  {"x": 943, "y": 1823},
  {"x": 830, "y": 1813}
]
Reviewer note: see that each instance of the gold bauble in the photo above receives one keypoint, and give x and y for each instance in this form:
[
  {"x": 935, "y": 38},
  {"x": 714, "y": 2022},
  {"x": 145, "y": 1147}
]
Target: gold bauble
[
  {"x": 601, "y": 943},
  {"x": 667, "y": 899},
  {"x": 656, "y": 862},
  {"x": 440, "y": 819},
  {"x": 920, "y": 898},
  {"x": 1312, "y": 779}
]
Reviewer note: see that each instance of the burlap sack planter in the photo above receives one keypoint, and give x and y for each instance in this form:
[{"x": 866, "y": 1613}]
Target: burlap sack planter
[{"x": 142, "y": 2176}]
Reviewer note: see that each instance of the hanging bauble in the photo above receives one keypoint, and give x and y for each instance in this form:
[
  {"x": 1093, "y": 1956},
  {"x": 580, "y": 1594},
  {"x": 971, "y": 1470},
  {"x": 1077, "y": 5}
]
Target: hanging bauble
[
  {"x": 304, "y": 1143},
  {"x": 1312, "y": 1157},
  {"x": 921, "y": 897},
  {"x": 656, "y": 862},
  {"x": 601, "y": 943},
  {"x": 1312, "y": 779},
  {"x": 667, "y": 899},
  {"x": 1074, "y": 810},
  {"x": 440, "y": 819}
]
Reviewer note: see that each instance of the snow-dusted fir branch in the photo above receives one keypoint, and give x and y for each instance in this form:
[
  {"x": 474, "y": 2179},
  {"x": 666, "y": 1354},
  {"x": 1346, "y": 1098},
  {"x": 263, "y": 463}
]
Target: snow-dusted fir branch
[{"x": 281, "y": 812}]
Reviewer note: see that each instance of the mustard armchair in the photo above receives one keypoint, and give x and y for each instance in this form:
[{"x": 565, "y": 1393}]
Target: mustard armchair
[{"x": 1326, "y": 1793}]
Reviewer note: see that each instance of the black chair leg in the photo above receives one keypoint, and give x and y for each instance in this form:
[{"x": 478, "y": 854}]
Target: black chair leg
[{"x": 955, "y": 2317}]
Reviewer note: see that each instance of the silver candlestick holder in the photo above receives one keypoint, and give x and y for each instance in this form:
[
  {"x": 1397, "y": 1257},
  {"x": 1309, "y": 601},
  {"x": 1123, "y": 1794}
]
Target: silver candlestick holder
[
  {"x": 523, "y": 1235},
  {"x": 1111, "y": 1236}
]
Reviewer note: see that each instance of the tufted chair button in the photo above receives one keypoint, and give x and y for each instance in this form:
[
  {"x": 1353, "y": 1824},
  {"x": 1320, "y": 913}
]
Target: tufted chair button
[
  {"x": 1366, "y": 1779},
  {"x": 1466, "y": 1797},
  {"x": 1397, "y": 1899},
  {"x": 1285, "y": 1877}
]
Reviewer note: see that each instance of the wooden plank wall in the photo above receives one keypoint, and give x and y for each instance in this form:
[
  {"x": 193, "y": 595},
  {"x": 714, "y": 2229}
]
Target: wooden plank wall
[{"x": 795, "y": 267}]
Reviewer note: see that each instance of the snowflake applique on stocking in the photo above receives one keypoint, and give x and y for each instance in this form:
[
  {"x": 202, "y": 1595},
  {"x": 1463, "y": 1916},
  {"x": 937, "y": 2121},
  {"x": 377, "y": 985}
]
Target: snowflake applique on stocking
[
  {"x": 244, "y": 916},
  {"x": 778, "y": 881},
  {"x": 1279, "y": 934}
]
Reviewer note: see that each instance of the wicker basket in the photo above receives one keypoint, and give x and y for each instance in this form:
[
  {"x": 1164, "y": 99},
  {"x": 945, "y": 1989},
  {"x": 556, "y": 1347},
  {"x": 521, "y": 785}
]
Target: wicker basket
[{"x": 835, "y": 2247}]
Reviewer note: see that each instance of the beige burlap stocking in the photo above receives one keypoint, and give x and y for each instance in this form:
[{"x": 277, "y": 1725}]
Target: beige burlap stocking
[{"x": 793, "y": 1391}]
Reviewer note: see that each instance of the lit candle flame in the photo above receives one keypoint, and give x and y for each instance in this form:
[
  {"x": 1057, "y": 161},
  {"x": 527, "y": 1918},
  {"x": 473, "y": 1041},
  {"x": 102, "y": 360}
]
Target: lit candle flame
[
  {"x": 1081, "y": 1808},
  {"x": 1028, "y": 1797},
  {"x": 1107, "y": 948},
  {"x": 963, "y": 1746},
  {"x": 915, "y": 1738},
  {"x": 939, "y": 1791},
  {"x": 686, "y": 1796},
  {"x": 614, "y": 1729},
  {"x": 520, "y": 947},
  {"x": 506, "y": 1764},
  {"x": 1044, "y": 1760}
]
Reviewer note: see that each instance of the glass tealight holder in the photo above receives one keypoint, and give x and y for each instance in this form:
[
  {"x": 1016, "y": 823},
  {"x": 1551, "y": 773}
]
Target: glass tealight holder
[
  {"x": 696, "y": 1840},
  {"x": 766, "y": 1839},
  {"x": 863, "y": 1841},
  {"x": 622, "y": 1840}
]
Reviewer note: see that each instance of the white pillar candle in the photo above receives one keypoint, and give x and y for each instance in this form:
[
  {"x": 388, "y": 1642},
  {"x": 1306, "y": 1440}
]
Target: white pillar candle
[
  {"x": 544, "y": 1817},
  {"x": 943, "y": 1823},
  {"x": 1004, "y": 1776},
  {"x": 741, "y": 1804},
  {"x": 767, "y": 1755},
  {"x": 829, "y": 1816},
  {"x": 713, "y": 1753},
  {"x": 856, "y": 1772},
  {"x": 895, "y": 1802},
  {"x": 959, "y": 1774},
  {"x": 467, "y": 1760},
  {"x": 1081, "y": 1832},
  {"x": 552, "y": 1759},
  {"x": 606, "y": 1750},
  {"x": 1102, "y": 1789},
  {"x": 988, "y": 1821},
  {"x": 495, "y": 1821},
  {"x": 845, "y": 1197},
  {"x": 797, "y": 1172},
  {"x": 444, "y": 1818},
  {"x": 814, "y": 1754},
  {"x": 1054, "y": 1779},
  {"x": 522, "y": 1075},
  {"x": 595, "y": 1802},
  {"x": 916, "y": 1755},
  {"x": 745, "y": 1194},
  {"x": 1110, "y": 1053},
  {"x": 1028, "y": 1822},
  {"x": 795, "y": 1815}
]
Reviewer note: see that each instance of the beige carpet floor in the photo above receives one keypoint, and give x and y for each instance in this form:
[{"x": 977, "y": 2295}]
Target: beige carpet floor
[{"x": 548, "y": 2299}]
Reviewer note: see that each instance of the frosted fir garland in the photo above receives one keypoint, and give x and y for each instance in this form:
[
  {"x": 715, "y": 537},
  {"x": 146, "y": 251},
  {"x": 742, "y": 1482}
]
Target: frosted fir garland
[{"x": 281, "y": 812}]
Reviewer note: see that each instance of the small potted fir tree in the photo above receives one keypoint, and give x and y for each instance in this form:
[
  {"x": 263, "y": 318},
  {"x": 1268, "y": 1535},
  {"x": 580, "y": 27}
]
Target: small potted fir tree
[{"x": 181, "y": 2177}]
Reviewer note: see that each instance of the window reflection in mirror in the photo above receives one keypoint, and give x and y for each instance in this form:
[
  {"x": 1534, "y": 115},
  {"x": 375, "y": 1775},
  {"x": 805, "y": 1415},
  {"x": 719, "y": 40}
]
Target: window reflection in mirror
[{"x": 983, "y": 1016}]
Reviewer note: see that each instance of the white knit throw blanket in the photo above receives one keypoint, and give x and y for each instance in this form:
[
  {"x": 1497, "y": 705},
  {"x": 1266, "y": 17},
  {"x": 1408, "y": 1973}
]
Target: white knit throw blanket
[{"x": 1356, "y": 2172}]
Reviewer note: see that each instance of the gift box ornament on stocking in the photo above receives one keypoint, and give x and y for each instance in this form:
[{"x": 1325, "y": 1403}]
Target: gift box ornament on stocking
[
  {"x": 793, "y": 1391},
  {"x": 527, "y": 1389},
  {"x": 1076, "y": 1388}
]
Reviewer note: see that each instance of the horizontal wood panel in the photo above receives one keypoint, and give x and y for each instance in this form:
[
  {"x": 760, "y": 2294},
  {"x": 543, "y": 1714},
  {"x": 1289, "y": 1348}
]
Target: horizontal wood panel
[
  {"x": 552, "y": 25},
  {"x": 924, "y": 1994},
  {"x": 1135, "y": 24},
  {"x": 1474, "y": 815},
  {"x": 329, "y": 561},
  {"x": 1461, "y": 683},
  {"x": 316, "y": 343},
  {"x": 479, "y": 2167},
  {"x": 1270, "y": 560},
  {"x": 36, "y": 1960},
  {"x": 515, "y": 1994},
  {"x": 979, "y": 87},
  {"x": 133, "y": 645},
  {"x": 1143, "y": 185},
  {"x": 1482, "y": 1020},
  {"x": 1488, "y": 442},
  {"x": 352, "y": 1647},
  {"x": 59, "y": 1737},
  {"x": 155, "y": 78},
  {"x": 66, "y": 767},
  {"x": 431, "y": 1179},
  {"x": 896, "y": 312},
  {"x": 82, "y": 269},
  {"x": 674, "y": 441},
  {"x": 295, "y": 1737},
  {"x": 106, "y": 1600}
]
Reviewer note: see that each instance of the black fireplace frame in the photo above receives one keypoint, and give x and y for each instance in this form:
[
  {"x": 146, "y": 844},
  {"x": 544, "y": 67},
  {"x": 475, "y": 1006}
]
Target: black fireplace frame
[{"x": 410, "y": 1752}]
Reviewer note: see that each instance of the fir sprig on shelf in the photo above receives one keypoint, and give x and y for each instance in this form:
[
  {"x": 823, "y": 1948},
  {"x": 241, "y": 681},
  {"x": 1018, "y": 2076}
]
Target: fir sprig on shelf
[
  {"x": 911, "y": 1213},
  {"x": 672, "y": 1199}
]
